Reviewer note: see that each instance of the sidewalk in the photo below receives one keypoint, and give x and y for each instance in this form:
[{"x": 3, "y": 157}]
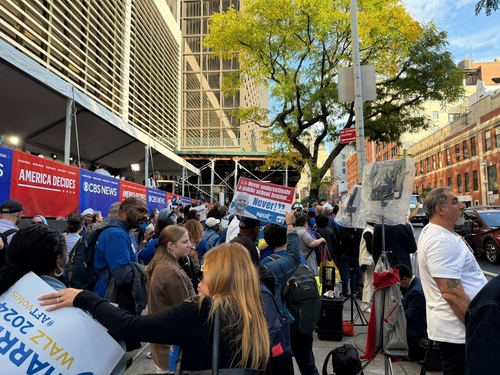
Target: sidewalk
[{"x": 142, "y": 365}]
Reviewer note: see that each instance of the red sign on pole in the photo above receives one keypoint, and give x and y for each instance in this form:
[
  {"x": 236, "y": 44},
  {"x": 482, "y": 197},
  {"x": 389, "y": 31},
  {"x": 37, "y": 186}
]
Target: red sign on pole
[{"x": 348, "y": 135}]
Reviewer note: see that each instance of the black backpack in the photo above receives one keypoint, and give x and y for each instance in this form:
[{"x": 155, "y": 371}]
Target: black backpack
[
  {"x": 301, "y": 297},
  {"x": 345, "y": 361},
  {"x": 80, "y": 271}
]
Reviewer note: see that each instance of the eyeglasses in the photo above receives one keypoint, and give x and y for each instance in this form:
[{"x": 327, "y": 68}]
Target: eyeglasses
[
  {"x": 36, "y": 222},
  {"x": 140, "y": 210}
]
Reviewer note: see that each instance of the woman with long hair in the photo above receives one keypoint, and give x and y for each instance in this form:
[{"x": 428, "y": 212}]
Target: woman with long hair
[
  {"x": 230, "y": 284},
  {"x": 200, "y": 245},
  {"x": 42, "y": 250},
  {"x": 167, "y": 283}
]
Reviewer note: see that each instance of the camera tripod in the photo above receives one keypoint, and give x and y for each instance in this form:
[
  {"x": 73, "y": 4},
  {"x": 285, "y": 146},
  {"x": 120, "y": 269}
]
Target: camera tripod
[{"x": 355, "y": 304}]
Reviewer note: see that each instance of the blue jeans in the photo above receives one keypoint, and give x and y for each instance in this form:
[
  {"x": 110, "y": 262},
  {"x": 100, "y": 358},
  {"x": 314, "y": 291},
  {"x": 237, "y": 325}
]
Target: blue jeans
[{"x": 348, "y": 265}]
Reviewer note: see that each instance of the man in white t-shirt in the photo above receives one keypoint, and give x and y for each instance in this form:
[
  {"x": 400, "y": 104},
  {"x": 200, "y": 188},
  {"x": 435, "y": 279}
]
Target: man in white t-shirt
[{"x": 450, "y": 276}]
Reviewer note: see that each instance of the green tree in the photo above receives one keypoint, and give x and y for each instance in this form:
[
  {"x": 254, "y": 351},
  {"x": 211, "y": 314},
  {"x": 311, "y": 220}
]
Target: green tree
[
  {"x": 296, "y": 47},
  {"x": 488, "y": 6}
]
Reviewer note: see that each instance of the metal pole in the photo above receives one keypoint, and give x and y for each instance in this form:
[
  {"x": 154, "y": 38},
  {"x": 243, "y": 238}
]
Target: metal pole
[
  {"x": 286, "y": 176},
  {"x": 212, "y": 178},
  {"x": 487, "y": 183},
  {"x": 67, "y": 135},
  {"x": 146, "y": 165},
  {"x": 183, "y": 179},
  {"x": 358, "y": 94},
  {"x": 235, "y": 176}
]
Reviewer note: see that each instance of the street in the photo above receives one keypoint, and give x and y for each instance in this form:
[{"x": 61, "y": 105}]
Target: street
[{"x": 483, "y": 262}]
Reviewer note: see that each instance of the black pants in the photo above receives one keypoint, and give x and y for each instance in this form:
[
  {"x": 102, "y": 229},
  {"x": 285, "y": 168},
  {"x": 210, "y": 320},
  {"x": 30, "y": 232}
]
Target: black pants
[
  {"x": 302, "y": 351},
  {"x": 452, "y": 358}
]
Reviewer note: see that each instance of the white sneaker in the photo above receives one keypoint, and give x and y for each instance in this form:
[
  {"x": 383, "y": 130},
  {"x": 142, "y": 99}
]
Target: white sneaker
[
  {"x": 367, "y": 308},
  {"x": 148, "y": 355}
]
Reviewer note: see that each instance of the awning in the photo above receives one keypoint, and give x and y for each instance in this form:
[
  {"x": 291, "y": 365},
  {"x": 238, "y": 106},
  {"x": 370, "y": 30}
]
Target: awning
[{"x": 33, "y": 107}]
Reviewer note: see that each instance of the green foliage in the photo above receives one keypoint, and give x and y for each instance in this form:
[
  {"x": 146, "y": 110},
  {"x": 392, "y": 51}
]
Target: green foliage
[
  {"x": 296, "y": 47},
  {"x": 488, "y": 6}
]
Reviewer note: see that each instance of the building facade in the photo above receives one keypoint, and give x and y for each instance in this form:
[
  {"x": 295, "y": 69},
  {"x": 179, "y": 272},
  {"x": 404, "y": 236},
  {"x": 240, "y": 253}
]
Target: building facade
[{"x": 209, "y": 121}]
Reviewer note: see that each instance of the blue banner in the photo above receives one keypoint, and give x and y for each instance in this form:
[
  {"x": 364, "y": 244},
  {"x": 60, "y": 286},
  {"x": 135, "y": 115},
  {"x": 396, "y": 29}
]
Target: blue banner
[
  {"x": 5, "y": 173},
  {"x": 98, "y": 191},
  {"x": 156, "y": 199},
  {"x": 186, "y": 201}
]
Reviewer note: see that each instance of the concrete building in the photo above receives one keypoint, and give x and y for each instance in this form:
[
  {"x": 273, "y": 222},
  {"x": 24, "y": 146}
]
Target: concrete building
[{"x": 96, "y": 81}]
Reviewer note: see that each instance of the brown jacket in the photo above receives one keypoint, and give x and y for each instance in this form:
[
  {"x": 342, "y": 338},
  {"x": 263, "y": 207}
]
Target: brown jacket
[{"x": 168, "y": 287}]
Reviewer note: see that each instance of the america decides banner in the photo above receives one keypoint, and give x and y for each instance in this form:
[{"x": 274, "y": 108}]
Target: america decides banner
[
  {"x": 44, "y": 186},
  {"x": 98, "y": 191},
  {"x": 130, "y": 189}
]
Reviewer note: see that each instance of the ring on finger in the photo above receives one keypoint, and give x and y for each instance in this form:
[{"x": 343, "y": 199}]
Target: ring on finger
[{"x": 57, "y": 299}]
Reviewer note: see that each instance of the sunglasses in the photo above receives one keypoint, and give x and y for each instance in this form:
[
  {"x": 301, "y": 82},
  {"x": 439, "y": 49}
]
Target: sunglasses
[
  {"x": 36, "y": 222},
  {"x": 202, "y": 270}
]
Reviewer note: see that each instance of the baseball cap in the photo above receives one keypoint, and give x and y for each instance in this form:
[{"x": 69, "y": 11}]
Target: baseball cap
[
  {"x": 311, "y": 210},
  {"x": 212, "y": 221},
  {"x": 249, "y": 223},
  {"x": 11, "y": 206}
]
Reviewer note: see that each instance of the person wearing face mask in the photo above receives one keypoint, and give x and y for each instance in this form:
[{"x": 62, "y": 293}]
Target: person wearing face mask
[
  {"x": 450, "y": 276},
  {"x": 168, "y": 285}
]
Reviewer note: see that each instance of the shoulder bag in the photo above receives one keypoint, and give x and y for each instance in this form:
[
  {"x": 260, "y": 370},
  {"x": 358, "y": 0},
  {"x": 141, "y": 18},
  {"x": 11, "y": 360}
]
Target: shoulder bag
[{"x": 215, "y": 359}]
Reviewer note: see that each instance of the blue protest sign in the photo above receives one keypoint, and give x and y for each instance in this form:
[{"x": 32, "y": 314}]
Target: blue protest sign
[
  {"x": 98, "y": 191},
  {"x": 186, "y": 201},
  {"x": 156, "y": 199},
  {"x": 5, "y": 173}
]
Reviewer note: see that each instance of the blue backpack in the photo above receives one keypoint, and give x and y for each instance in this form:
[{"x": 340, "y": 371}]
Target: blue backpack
[{"x": 278, "y": 325}]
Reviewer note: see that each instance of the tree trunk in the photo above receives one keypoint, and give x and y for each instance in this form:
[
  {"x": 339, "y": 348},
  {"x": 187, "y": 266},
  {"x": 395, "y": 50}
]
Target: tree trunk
[{"x": 313, "y": 193}]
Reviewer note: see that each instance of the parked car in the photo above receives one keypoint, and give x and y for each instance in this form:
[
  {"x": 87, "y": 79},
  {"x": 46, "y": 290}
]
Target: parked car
[
  {"x": 486, "y": 231},
  {"x": 420, "y": 216}
]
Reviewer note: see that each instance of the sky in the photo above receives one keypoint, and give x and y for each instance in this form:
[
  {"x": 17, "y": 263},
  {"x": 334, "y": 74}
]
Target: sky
[{"x": 469, "y": 36}]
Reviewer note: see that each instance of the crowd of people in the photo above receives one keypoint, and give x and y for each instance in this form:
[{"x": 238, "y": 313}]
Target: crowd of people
[{"x": 188, "y": 272}]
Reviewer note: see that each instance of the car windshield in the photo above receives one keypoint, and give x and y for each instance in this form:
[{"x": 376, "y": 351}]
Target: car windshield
[
  {"x": 491, "y": 218},
  {"x": 414, "y": 199}
]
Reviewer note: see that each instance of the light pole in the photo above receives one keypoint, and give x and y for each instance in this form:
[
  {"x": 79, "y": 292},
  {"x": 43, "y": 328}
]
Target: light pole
[{"x": 484, "y": 193}]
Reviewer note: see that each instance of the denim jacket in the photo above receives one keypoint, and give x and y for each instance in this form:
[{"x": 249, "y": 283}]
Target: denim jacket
[{"x": 283, "y": 268}]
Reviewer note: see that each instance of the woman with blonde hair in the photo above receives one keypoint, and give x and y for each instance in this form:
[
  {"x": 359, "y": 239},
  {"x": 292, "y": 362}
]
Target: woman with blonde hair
[
  {"x": 167, "y": 283},
  {"x": 230, "y": 285}
]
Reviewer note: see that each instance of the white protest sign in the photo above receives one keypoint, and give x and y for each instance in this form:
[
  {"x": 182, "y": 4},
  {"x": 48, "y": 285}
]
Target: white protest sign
[
  {"x": 262, "y": 200},
  {"x": 66, "y": 341},
  {"x": 201, "y": 210}
]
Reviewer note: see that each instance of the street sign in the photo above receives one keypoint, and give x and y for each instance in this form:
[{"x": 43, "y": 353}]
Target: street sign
[{"x": 348, "y": 135}]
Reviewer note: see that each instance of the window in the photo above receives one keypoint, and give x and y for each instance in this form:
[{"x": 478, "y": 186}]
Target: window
[
  {"x": 433, "y": 162},
  {"x": 428, "y": 164},
  {"x": 497, "y": 136},
  {"x": 440, "y": 161},
  {"x": 473, "y": 146},
  {"x": 459, "y": 183},
  {"x": 435, "y": 115},
  {"x": 343, "y": 156},
  {"x": 492, "y": 179},
  {"x": 394, "y": 151},
  {"x": 464, "y": 149},
  {"x": 343, "y": 170},
  {"x": 386, "y": 156},
  {"x": 440, "y": 183},
  {"x": 377, "y": 148},
  {"x": 449, "y": 182},
  {"x": 343, "y": 163},
  {"x": 435, "y": 184},
  {"x": 421, "y": 167},
  {"x": 448, "y": 157},
  {"x": 452, "y": 117},
  {"x": 475, "y": 182},
  {"x": 487, "y": 140},
  {"x": 466, "y": 182},
  {"x": 457, "y": 152}
]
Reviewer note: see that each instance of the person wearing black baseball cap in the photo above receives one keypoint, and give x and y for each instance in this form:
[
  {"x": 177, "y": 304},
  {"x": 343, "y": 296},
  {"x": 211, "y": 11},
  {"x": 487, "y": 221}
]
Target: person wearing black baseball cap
[{"x": 11, "y": 212}]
